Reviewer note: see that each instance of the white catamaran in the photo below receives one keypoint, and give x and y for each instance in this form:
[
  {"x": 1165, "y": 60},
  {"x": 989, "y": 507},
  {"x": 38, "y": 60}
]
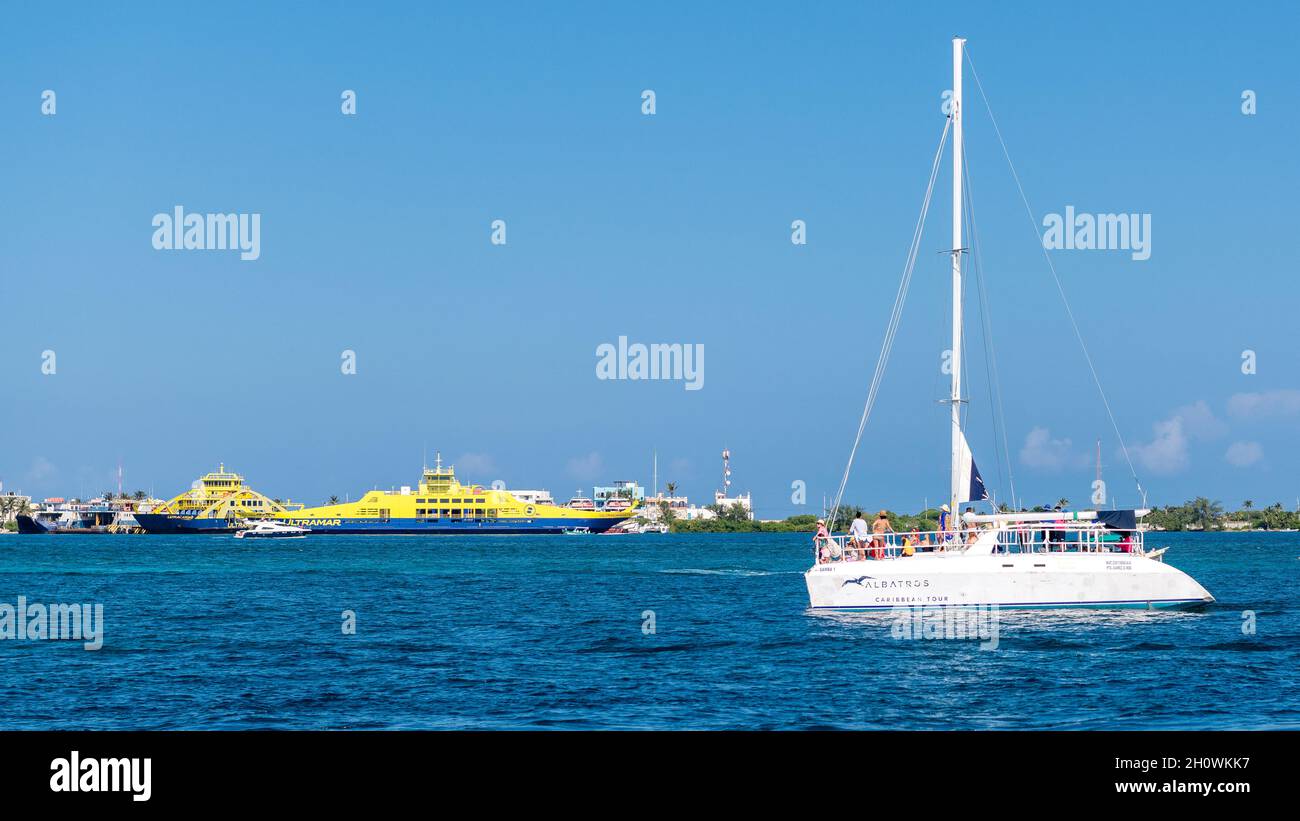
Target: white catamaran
[{"x": 1054, "y": 559}]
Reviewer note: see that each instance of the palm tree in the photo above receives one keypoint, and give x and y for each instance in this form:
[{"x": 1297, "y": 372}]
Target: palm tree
[
  {"x": 671, "y": 487},
  {"x": 1248, "y": 504},
  {"x": 666, "y": 513},
  {"x": 140, "y": 495},
  {"x": 1205, "y": 513},
  {"x": 1063, "y": 503},
  {"x": 12, "y": 506},
  {"x": 334, "y": 500}
]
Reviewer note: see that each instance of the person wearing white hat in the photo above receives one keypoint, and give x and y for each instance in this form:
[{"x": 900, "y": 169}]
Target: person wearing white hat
[{"x": 945, "y": 517}]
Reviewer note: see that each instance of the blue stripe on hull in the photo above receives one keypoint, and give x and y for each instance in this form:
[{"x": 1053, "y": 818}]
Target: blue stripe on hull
[
  {"x": 1162, "y": 604},
  {"x": 167, "y": 523},
  {"x": 483, "y": 527}
]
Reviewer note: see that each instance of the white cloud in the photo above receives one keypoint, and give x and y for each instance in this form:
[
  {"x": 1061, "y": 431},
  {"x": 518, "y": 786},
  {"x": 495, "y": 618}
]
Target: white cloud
[
  {"x": 1167, "y": 452},
  {"x": 1042, "y": 451},
  {"x": 1199, "y": 422},
  {"x": 1244, "y": 454},
  {"x": 586, "y": 467},
  {"x": 42, "y": 470},
  {"x": 1265, "y": 403},
  {"x": 475, "y": 464}
]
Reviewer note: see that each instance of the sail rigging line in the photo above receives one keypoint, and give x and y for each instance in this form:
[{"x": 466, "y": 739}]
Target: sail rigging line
[
  {"x": 1059, "y": 288},
  {"x": 895, "y": 317},
  {"x": 990, "y": 350}
]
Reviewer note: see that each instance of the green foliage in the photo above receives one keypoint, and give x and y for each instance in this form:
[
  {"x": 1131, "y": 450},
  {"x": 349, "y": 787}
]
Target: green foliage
[
  {"x": 734, "y": 521},
  {"x": 1203, "y": 514},
  {"x": 1196, "y": 514},
  {"x": 11, "y": 506}
]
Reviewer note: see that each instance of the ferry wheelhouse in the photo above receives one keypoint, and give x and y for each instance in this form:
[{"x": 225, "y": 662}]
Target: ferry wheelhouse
[{"x": 440, "y": 504}]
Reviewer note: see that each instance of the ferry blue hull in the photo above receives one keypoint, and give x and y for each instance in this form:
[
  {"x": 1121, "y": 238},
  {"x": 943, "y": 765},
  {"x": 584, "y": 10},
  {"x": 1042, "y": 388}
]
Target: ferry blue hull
[
  {"x": 166, "y": 523},
  {"x": 162, "y": 523},
  {"x": 30, "y": 525},
  {"x": 91, "y": 523},
  {"x": 485, "y": 527}
]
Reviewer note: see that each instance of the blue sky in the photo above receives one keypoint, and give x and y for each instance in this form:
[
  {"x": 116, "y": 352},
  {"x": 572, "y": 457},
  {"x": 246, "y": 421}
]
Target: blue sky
[{"x": 670, "y": 228}]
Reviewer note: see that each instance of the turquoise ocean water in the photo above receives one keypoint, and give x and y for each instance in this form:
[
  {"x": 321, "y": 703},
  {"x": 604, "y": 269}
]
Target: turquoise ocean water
[{"x": 210, "y": 632}]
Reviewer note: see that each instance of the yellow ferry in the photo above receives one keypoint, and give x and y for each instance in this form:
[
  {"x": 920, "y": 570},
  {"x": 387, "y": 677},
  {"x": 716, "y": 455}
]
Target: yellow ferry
[
  {"x": 442, "y": 505},
  {"x": 217, "y": 503}
]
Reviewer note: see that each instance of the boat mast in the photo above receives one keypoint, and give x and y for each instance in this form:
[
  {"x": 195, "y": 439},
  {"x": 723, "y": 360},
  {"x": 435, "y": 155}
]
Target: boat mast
[{"x": 956, "y": 492}]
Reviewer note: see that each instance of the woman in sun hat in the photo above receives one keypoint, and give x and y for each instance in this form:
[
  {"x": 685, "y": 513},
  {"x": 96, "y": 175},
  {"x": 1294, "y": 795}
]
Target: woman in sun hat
[
  {"x": 823, "y": 542},
  {"x": 879, "y": 528}
]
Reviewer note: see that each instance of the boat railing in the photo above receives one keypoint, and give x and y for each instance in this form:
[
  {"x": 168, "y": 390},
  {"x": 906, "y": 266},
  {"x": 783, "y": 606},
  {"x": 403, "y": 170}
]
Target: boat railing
[
  {"x": 890, "y": 545},
  {"x": 1067, "y": 537},
  {"x": 1036, "y": 537}
]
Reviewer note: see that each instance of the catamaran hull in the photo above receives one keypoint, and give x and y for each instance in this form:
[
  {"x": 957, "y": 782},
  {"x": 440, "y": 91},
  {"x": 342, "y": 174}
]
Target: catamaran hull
[{"x": 1031, "y": 581}]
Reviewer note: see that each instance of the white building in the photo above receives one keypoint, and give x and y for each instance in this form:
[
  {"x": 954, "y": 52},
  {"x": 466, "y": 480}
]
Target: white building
[
  {"x": 653, "y": 508},
  {"x": 533, "y": 497},
  {"x": 727, "y": 502},
  {"x": 680, "y": 506}
]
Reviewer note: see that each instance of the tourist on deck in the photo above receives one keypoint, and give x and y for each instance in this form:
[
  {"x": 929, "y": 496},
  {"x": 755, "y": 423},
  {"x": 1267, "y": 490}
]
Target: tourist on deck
[
  {"x": 1126, "y": 541},
  {"x": 1056, "y": 538},
  {"x": 945, "y": 523},
  {"x": 879, "y": 528},
  {"x": 910, "y": 545},
  {"x": 858, "y": 537},
  {"x": 821, "y": 542}
]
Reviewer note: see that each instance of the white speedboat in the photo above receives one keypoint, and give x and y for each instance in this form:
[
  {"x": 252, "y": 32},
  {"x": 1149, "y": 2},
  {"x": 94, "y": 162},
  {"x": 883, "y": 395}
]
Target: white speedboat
[
  {"x": 272, "y": 530},
  {"x": 1052, "y": 559}
]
